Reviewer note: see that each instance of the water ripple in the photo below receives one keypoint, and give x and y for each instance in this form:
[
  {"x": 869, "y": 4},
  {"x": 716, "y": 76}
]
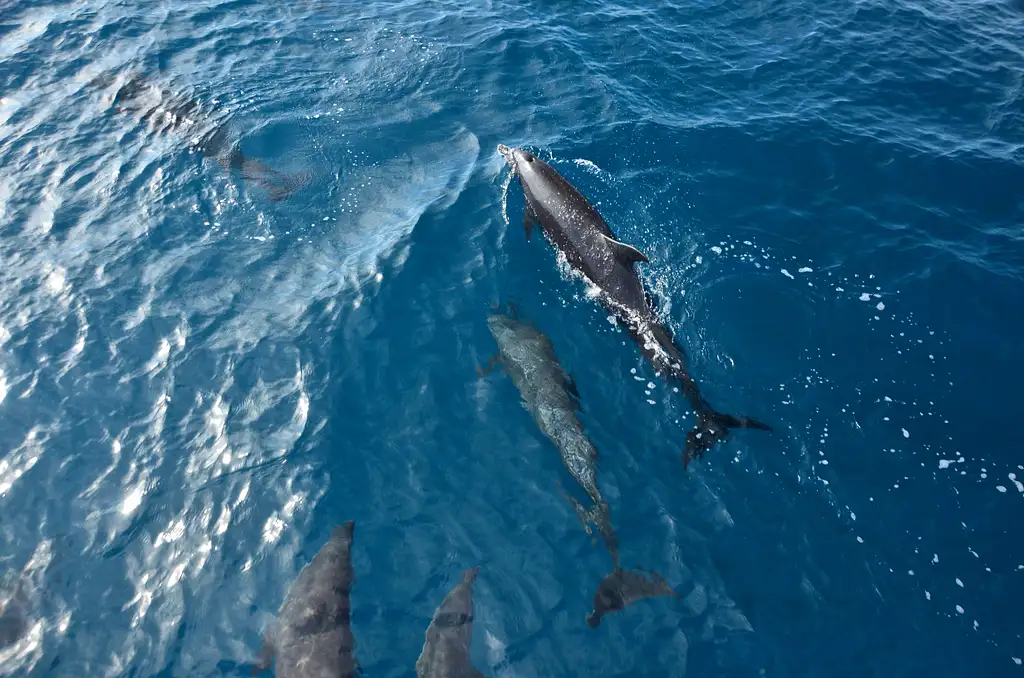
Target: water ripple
[{"x": 196, "y": 381}]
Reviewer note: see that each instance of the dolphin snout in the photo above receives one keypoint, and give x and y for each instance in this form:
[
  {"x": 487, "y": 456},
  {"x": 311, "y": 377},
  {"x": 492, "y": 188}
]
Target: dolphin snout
[
  {"x": 497, "y": 323},
  {"x": 507, "y": 153},
  {"x": 515, "y": 156}
]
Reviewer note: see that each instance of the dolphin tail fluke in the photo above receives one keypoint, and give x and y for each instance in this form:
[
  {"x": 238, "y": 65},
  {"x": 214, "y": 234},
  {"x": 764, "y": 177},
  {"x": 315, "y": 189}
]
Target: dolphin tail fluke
[
  {"x": 711, "y": 428},
  {"x": 620, "y": 588},
  {"x": 493, "y": 363}
]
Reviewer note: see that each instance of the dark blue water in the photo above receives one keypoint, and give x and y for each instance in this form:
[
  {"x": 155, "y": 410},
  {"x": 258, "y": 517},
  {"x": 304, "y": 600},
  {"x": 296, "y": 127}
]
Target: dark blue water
[{"x": 197, "y": 382}]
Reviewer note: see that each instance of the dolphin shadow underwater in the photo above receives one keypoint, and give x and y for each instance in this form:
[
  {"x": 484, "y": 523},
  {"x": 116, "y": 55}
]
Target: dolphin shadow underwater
[
  {"x": 550, "y": 395},
  {"x": 576, "y": 229},
  {"x": 167, "y": 111}
]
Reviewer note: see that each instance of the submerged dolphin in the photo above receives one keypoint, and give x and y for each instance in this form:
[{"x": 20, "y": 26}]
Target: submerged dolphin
[
  {"x": 445, "y": 651},
  {"x": 311, "y": 637},
  {"x": 167, "y": 111},
  {"x": 576, "y": 228},
  {"x": 550, "y": 395}
]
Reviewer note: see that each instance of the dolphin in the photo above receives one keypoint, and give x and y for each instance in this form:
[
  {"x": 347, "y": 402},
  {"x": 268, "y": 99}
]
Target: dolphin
[
  {"x": 311, "y": 637},
  {"x": 445, "y": 651},
  {"x": 169, "y": 112},
  {"x": 576, "y": 229},
  {"x": 551, "y": 397}
]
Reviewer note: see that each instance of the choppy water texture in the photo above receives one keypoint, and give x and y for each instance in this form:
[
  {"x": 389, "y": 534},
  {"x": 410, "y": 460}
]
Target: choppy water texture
[{"x": 197, "y": 382}]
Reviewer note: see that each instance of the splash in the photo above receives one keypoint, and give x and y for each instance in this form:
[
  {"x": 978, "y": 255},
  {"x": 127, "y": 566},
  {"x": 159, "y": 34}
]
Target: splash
[{"x": 504, "y": 193}]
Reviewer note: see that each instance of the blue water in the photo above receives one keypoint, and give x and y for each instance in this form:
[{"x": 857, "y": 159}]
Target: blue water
[{"x": 197, "y": 382}]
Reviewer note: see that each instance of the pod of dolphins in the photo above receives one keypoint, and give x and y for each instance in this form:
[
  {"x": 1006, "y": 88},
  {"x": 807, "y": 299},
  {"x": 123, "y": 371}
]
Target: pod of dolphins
[{"x": 311, "y": 636}]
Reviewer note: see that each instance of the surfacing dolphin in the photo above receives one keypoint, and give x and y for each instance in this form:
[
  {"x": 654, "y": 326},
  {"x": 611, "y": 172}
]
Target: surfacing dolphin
[
  {"x": 576, "y": 229},
  {"x": 170, "y": 112},
  {"x": 550, "y": 396},
  {"x": 446, "y": 642},
  {"x": 312, "y": 636}
]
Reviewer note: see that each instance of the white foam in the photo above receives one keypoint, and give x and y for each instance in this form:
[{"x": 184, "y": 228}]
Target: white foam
[
  {"x": 865, "y": 297},
  {"x": 786, "y": 273},
  {"x": 906, "y": 434}
]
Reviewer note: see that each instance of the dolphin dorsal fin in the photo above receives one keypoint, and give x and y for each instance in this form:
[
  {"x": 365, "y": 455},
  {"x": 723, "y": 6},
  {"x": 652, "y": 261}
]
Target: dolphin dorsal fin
[{"x": 627, "y": 254}]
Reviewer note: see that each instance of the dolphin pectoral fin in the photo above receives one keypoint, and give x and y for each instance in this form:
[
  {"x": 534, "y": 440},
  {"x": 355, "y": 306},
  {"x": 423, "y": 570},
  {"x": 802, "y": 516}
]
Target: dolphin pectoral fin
[
  {"x": 492, "y": 363},
  {"x": 570, "y": 385},
  {"x": 627, "y": 254},
  {"x": 528, "y": 222}
]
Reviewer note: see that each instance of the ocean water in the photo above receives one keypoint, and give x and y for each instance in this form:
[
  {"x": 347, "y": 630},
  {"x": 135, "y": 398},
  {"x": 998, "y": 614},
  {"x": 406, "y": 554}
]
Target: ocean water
[{"x": 197, "y": 380}]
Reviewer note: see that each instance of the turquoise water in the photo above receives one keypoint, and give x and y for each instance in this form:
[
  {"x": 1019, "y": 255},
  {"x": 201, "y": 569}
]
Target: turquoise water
[{"x": 198, "y": 381}]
